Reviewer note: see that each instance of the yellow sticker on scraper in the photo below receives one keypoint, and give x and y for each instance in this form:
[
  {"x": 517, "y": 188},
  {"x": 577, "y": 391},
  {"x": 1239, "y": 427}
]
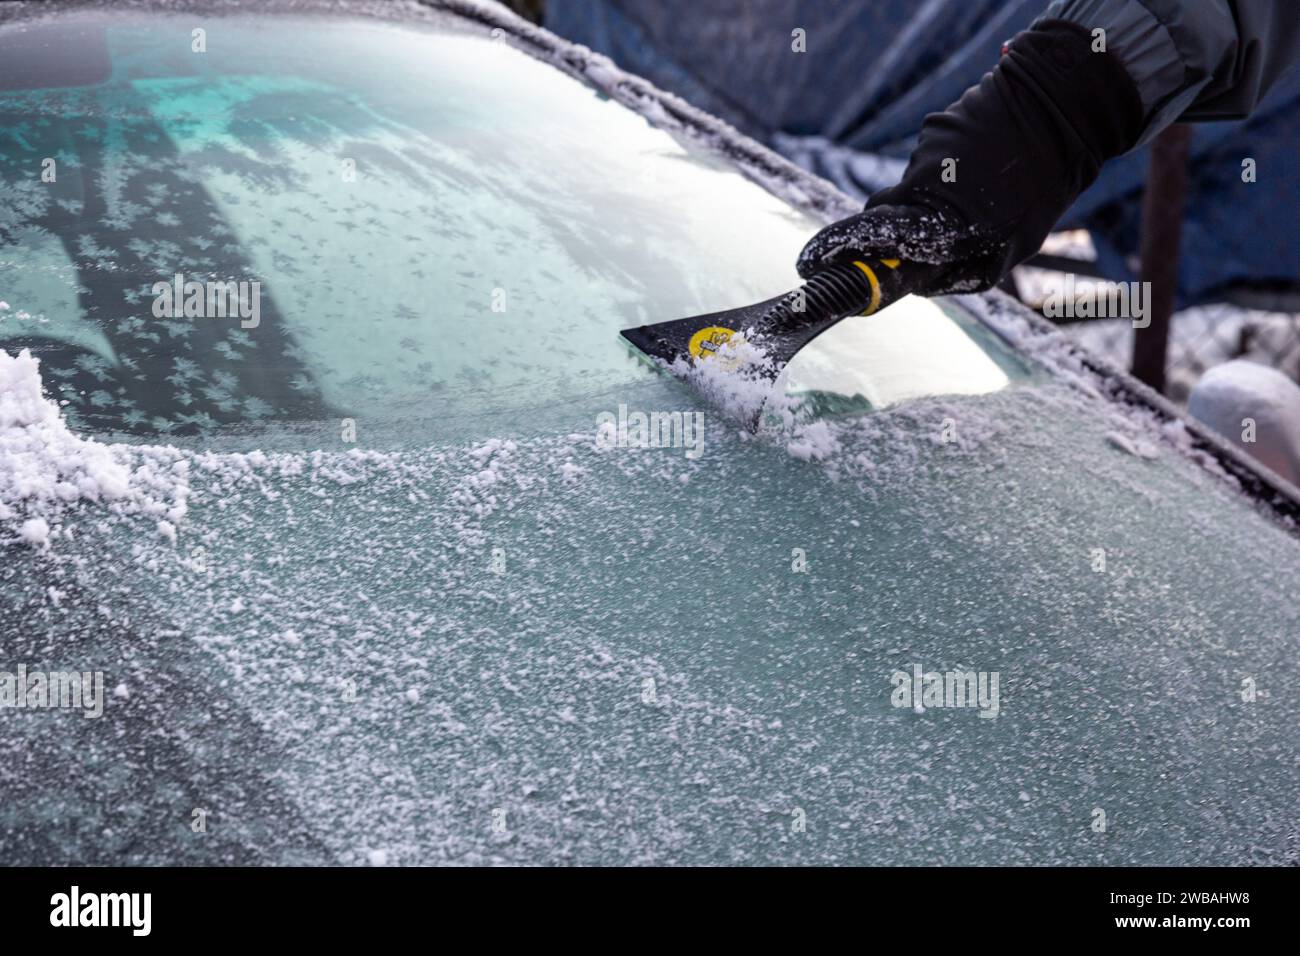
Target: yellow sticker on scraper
[{"x": 707, "y": 341}]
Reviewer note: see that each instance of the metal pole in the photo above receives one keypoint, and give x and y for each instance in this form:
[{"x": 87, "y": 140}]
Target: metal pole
[{"x": 1162, "y": 227}]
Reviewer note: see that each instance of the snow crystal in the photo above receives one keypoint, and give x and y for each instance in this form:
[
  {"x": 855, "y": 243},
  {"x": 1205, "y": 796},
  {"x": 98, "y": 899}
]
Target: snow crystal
[
  {"x": 813, "y": 441},
  {"x": 35, "y": 531},
  {"x": 1134, "y": 446}
]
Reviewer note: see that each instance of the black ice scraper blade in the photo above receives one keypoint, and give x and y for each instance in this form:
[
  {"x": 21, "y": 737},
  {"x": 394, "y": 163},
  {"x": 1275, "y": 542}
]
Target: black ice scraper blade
[{"x": 787, "y": 323}]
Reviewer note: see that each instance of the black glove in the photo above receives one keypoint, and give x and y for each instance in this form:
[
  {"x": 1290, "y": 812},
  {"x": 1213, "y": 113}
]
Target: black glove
[{"x": 1027, "y": 140}]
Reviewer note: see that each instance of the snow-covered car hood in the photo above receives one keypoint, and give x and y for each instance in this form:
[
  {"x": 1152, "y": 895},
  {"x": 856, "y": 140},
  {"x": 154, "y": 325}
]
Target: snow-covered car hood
[{"x": 530, "y": 641}]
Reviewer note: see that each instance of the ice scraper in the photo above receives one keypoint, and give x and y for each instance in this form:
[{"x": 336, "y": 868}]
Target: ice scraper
[{"x": 780, "y": 327}]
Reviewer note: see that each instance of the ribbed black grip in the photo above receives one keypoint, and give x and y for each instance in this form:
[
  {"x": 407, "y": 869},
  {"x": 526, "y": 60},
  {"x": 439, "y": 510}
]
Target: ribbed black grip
[{"x": 831, "y": 294}]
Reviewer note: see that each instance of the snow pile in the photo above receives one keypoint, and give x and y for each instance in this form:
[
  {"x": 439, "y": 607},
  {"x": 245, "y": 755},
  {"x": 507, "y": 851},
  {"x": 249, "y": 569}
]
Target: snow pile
[
  {"x": 45, "y": 468},
  {"x": 743, "y": 382},
  {"x": 1257, "y": 409},
  {"x": 739, "y": 379},
  {"x": 41, "y": 460}
]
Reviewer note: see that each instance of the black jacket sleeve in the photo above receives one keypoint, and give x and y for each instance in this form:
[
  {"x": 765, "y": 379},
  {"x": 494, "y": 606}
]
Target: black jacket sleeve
[{"x": 1193, "y": 60}]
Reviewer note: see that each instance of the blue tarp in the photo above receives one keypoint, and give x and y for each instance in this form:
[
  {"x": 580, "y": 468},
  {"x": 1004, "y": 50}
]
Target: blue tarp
[{"x": 873, "y": 69}]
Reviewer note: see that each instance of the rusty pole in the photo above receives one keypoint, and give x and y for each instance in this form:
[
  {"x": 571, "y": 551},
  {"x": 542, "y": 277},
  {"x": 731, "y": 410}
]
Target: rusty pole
[{"x": 1163, "y": 204}]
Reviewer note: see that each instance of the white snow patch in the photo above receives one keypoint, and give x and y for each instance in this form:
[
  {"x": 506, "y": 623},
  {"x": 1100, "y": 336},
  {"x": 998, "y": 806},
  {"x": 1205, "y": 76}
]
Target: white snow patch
[
  {"x": 1133, "y": 445},
  {"x": 813, "y": 441},
  {"x": 46, "y": 469},
  {"x": 35, "y": 531},
  {"x": 1255, "y": 408}
]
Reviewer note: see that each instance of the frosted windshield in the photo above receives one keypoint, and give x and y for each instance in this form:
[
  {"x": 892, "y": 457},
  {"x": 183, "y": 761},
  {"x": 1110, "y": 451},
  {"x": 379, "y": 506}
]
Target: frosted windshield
[{"x": 462, "y": 232}]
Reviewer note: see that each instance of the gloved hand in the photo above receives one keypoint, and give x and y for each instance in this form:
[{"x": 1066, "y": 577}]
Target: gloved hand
[{"x": 1026, "y": 142}]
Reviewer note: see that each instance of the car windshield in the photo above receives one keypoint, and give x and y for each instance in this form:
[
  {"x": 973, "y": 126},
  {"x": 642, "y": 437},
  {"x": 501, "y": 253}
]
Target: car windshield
[
  {"x": 389, "y": 570},
  {"x": 260, "y": 232}
]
